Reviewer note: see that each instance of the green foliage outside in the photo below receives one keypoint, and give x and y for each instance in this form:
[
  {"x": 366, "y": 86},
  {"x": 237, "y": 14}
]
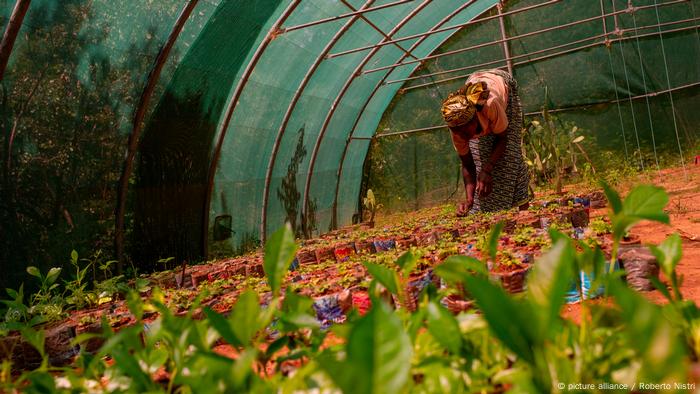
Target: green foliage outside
[{"x": 65, "y": 108}]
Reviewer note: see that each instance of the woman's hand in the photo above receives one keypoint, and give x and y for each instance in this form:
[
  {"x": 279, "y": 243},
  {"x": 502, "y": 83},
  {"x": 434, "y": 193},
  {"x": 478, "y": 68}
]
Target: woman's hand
[
  {"x": 464, "y": 207},
  {"x": 484, "y": 183}
]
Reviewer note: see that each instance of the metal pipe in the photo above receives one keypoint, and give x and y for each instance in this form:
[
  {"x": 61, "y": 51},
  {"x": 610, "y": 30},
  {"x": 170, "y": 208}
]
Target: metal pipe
[
  {"x": 136, "y": 128},
  {"x": 491, "y": 62},
  {"x": 334, "y": 217},
  {"x": 288, "y": 114},
  {"x": 527, "y": 54},
  {"x": 343, "y": 16},
  {"x": 605, "y": 42},
  {"x": 459, "y": 26},
  {"x": 11, "y": 31},
  {"x": 504, "y": 38},
  {"x": 340, "y": 96},
  {"x": 431, "y": 128},
  {"x": 461, "y": 50},
  {"x": 230, "y": 107},
  {"x": 376, "y": 28},
  {"x": 641, "y": 96}
]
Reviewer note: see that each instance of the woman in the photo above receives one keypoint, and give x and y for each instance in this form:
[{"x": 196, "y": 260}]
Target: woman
[{"x": 485, "y": 119}]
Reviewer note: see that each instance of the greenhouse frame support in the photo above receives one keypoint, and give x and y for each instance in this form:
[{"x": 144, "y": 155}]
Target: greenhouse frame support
[
  {"x": 504, "y": 38},
  {"x": 351, "y": 137},
  {"x": 288, "y": 114},
  {"x": 641, "y": 96},
  {"x": 343, "y": 16},
  {"x": 605, "y": 42},
  {"x": 11, "y": 31},
  {"x": 455, "y": 27},
  {"x": 135, "y": 135},
  {"x": 377, "y": 29},
  {"x": 230, "y": 107},
  {"x": 553, "y": 28},
  {"x": 339, "y": 97}
]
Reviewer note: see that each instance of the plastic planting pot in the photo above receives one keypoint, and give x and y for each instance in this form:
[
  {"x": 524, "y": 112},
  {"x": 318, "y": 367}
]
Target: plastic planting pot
[
  {"x": 384, "y": 245},
  {"x": 306, "y": 257},
  {"x": 514, "y": 281},
  {"x": 640, "y": 266},
  {"x": 343, "y": 254},
  {"x": 573, "y": 296}
]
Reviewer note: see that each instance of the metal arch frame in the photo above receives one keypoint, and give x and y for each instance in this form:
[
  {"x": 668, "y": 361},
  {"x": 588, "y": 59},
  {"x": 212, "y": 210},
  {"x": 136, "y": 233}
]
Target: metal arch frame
[
  {"x": 290, "y": 109},
  {"x": 274, "y": 31},
  {"x": 343, "y": 16},
  {"x": 594, "y": 44},
  {"x": 12, "y": 29},
  {"x": 453, "y": 14},
  {"x": 442, "y": 30},
  {"x": 135, "y": 135},
  {"x": 553, "y": 28},
  {"x": 375, "y": 27},
  {"x": 341, "y": 94},
  {"x": 604, "y": 42}
]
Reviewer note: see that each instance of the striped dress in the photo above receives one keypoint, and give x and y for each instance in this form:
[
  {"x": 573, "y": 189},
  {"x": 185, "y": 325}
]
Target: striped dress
[{"x": 510, "y": 174}]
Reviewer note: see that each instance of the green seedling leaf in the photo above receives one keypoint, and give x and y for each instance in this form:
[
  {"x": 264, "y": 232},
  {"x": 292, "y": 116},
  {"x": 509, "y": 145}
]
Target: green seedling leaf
[
  {"x": 295, "y": 303},
  {"x": 492, "y": 242},
  {"x": 222, "y": 326},
  {"x": 661, "y": 352},
  {"x": 549, "y": 281},
  {"x": 643, "y": 202},
  {"x": 36, "y": 338},
  {"x": 647, "y": 202},
  {"x": 12, "y": 293},
  {"x": 33, "y": 271},
  {"x": 456, "y": 268},
  {"x": 509, "y": 321},
  {"x": 279, "y": 253},
  {"x": 300, "y": 320},
  {"x": 385, "y": 276},
  {"x": 243, "y": 366},
  {"x": 444, "y": 327},
  {"x": 613, "y": 197},
  {"x": 378, "y": 355},
  {"x": 276, "y": 346},
  {"x": 74, "y": 256},
  {"x": 407, "y": 262},
  {"x": 245, "y": 319},
  {"x": 53, "y": 275},
  {"x": 668, "y": 253}
]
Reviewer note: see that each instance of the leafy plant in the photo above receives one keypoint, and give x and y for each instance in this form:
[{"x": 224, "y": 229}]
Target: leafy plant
[
  {"x": 642, "y": 203},
  {"x": 370, "y": 204},
  {"x": 552, "y": 149}
]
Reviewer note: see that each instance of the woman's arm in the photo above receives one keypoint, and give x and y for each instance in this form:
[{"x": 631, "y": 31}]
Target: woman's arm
[
  {"x": 484, "y": 184},
  {"x": 469, "y": 176}
]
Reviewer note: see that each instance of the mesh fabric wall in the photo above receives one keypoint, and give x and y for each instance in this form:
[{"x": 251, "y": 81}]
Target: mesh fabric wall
[{"x": 609, "y": 91}]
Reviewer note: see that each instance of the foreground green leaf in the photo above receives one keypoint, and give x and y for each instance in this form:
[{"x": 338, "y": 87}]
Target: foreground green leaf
[
  {"x": 378, "y": 355},
  {"x": 279, "y": 254}
]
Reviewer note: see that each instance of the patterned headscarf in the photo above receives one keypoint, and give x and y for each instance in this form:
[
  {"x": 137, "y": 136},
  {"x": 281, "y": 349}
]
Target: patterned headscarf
[{"x": 459, "y": 107}]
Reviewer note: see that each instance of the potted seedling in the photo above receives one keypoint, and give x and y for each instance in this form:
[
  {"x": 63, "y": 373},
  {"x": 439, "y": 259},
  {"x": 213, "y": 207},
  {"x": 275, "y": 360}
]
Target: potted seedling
[
  {"x": 371, "y": 206},
  {"x": 503, "y": 266}
]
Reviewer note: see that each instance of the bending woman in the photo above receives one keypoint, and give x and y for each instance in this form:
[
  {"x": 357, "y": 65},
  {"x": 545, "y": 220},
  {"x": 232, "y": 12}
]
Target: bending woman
[{"x": 485, "y": 118}]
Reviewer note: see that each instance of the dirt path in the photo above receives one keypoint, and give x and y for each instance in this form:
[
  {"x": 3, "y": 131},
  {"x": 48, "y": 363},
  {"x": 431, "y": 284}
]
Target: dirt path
[{"x": 684, "y": 210}]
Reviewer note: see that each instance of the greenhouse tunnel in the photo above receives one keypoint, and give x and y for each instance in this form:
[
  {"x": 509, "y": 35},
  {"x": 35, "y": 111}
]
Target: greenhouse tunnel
[{"x": 194, "y": 129}]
